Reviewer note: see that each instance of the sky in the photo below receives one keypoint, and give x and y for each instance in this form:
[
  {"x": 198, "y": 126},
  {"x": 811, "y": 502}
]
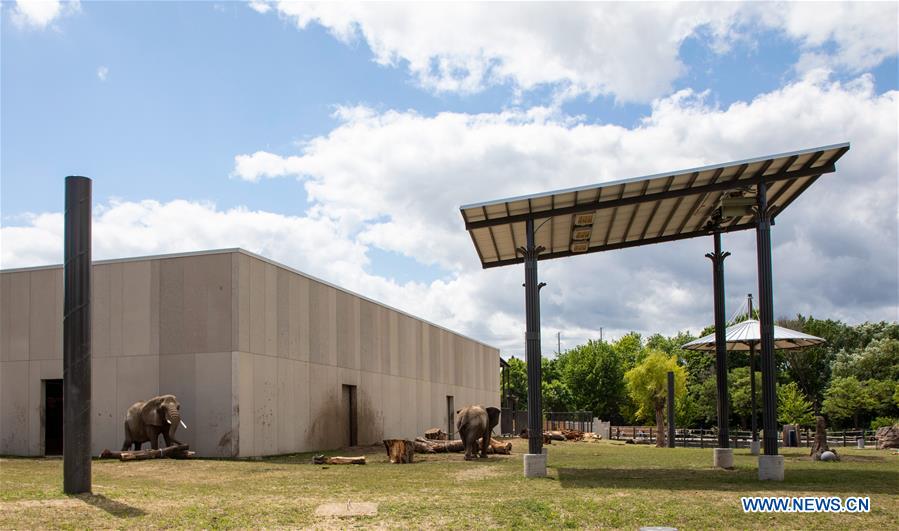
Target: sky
[{"x": 341, "y": 139}]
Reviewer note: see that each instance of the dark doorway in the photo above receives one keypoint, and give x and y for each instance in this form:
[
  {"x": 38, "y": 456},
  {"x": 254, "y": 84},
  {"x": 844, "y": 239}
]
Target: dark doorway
[
  {"x": 53, "y": 417},
  {"x": 349, "y": 395},
  {"x": 450, "y": 418}
]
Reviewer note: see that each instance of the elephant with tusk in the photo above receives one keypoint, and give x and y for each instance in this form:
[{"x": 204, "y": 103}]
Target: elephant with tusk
[{"x": 145, "y": 421}]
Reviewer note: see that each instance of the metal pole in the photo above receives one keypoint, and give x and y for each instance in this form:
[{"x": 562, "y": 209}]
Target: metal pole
[
  {"x": 670, "y": 409},
  {"x": 532, "y": 342},
  {"x": 717, "y": 259},
  {"x": 766, "y": 322},
  {"x": 76, "y": 364},
  {"x": 752, "y": 416}
]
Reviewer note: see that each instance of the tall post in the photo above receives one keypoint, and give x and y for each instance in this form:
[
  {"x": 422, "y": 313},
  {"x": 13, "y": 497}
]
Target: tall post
[
  {"x": 532, "y": 342},
  {"x": 772, "y": 467},
  {"x": 717, "y": 259},
  {"x": 76, "y": 366},
  {"x": 752, "y": 401},
  {"x": 670, "y": 409}
]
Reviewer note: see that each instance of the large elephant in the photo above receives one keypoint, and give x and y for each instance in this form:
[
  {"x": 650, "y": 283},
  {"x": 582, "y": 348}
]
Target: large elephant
[
  {"x": 473, "y": 423},
  {"x": 145, "y": 421}
]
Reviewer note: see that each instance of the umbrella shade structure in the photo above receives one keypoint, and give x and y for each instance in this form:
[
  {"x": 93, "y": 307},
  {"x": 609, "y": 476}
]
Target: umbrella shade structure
[{"x": 746, "y": 335}]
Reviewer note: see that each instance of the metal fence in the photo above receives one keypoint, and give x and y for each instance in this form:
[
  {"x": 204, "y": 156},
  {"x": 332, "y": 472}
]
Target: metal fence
[
  {"x": 513, "y": 422},
  {"x": 707, "y": 438}
]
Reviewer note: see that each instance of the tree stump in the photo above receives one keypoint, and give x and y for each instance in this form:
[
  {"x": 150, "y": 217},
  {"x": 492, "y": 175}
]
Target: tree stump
[
  {"x": 436, "y": 434},
  {"x": 399, "y": 451},
  {"x": 820, "y": 445}
]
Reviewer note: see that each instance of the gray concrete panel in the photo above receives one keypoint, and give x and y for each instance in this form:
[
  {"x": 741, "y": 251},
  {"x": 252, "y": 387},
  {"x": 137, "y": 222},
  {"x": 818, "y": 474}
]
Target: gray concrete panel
[
  {"x": 257, "y": 306},
  {"x": 369, "y": 396},
  {"x": 324, "y": 407},
  {"x": 211, "y": 425},
  {"x": 5, "y": 320},
  {"x": 136, "y": 289},
  {"x": 271, "y": 310},
  {"x": 217, "y": 290},
  {"x": 154, "y": 307},
  {"x": 116, "y": 309},
  {"x": 99, "y": 311},
  {"x": 347, "y": 330},
  {"x": 194, "y": 317},
  {"x": 107, "y": 430},
  {"x": 246, "y": 428},
  {"x": 43, "y": 318},
  {"x": 243, "y": 313},
  {"x": 19, "y": 312},
  {"x": 171, "y": 306},
  {"x": 320, "y": 323},
  {"x": 282, "y": 294},
  {"x": 369, "y": 343},
  {"x": 265, "y": 403},
  {"x": 14, "y": 417},
  {"x": 286, "y": 425},
  {"x": 300, "y": 314}
]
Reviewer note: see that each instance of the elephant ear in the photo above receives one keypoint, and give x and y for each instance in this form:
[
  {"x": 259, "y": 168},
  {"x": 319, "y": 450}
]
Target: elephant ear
[
  {"x": 493, "y": 414},
  {"x": 149, "y": 412}
]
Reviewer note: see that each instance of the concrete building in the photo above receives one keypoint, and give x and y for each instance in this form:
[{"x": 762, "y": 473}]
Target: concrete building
[{"x": 264, "y": 359}]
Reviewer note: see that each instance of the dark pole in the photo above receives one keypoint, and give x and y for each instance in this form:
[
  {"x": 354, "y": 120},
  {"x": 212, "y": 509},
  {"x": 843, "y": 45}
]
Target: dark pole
[
  {"x": 670, "y": 409},
  {"x": 766, "y": 322},
  {"x": 532, "y": 341},
  {"x": 76, "y": 365},
  {"x": 753, "y": 424},
  {"x": 717, "y": 259}
]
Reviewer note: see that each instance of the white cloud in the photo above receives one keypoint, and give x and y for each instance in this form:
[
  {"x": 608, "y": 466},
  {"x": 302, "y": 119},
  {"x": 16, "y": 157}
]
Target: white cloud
[
  {"x": 629, "y": 50},
  {"x": 260, "y": 6},
  {"x": 102, "y": 73},
  {"x": 394, "y": 180},
  {"x": 41, "y": 13}
]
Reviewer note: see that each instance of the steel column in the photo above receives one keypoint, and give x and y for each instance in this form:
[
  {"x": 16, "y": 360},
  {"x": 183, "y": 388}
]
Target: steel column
[
  {"x": 766, "y": 322},
  {"x": 76, "y": 367},
  {"x": 723, "y": 410},
  {"x": 753, "y": 424},
  {"x": 670, "y": 409},
  {"x": 532, "y": 342}
]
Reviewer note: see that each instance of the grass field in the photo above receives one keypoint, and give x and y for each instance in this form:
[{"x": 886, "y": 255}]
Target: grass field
[{"x": 601, "y": 484}]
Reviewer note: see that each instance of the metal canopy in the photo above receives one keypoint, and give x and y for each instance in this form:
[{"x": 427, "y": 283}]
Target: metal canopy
[
  {"x": 746, "y": 336},
  {"x": 644, "y": 210}
]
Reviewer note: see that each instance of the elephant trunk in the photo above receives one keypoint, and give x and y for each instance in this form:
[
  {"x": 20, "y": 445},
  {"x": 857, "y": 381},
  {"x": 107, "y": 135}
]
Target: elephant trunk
[{"x": 173, "y": 417}]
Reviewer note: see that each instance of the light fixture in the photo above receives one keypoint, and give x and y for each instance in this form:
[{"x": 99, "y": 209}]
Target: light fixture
[
  {"x": 580, "y": 246},
  {"x": 581, "y": 233},
  {"x": 736, "y": 206},
  {"x": 584, "y": 220}
]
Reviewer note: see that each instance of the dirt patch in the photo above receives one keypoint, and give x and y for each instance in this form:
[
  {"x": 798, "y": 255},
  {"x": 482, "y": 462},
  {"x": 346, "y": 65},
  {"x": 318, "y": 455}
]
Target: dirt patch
[
  {"x": 29, "y": 504},
  {"x": 348, "y": 509},
  {"x": 478, "y": 473}
]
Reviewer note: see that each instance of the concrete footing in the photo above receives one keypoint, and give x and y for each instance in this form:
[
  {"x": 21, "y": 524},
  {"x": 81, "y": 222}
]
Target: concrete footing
[
  {"x": 724, "y": 458},
  {"x": 754, "y": 447},
  {"x": 771, "y": 468},
  {"x": 534, "y": 465}
]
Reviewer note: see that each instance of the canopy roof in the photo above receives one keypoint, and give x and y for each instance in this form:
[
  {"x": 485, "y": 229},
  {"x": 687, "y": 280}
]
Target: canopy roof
[
  {"x": 742, "y": 336},
  {"x": 644, "y": 210}
]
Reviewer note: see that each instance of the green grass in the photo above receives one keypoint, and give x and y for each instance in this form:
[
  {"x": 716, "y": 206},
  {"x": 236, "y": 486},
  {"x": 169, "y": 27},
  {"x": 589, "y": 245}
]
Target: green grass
[{"x": 604, "y": 484}]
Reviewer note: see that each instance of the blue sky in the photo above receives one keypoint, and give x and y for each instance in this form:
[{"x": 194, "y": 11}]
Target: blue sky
[{"x": 155, "y": 102}]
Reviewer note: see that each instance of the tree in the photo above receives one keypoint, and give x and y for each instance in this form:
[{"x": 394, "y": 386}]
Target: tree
[
  {"x": 740, "y": 392},
  {"x": 647, "y": 384},
  {"x": 556, "y": 396},
  {"x": 594, "y": 373},
  {"x": 630, "y": 348},
  {"x": 792, "y": 405},
  {"x": 847, "y": 398},
  {"x": 518, "y": 382},
  {"x": 878, "y": 360}
]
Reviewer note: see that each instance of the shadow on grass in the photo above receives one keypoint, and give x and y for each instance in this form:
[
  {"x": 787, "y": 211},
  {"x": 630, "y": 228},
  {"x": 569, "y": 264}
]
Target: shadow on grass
[
  {"x": 850, "y": 481},
  {"x": 117, "y": 509}
]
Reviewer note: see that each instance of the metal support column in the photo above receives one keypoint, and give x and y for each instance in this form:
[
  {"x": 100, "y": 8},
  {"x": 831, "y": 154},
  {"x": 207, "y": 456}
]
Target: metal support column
[
  {"x": 76, "y": 365},
  {"x": 717, "y": 259},
  {"x": 766, "y": 322},
  {"x": 752, "y": 416},
  {"x": 670, "y": 409},
  {"x": 532, "y": 341}
]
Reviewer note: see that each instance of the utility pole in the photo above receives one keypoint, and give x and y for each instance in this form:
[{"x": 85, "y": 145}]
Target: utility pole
[{"x": 559, "y": 338}]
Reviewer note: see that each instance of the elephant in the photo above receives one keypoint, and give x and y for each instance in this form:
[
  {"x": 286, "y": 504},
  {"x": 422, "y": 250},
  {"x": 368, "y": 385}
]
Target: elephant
[
  {"x": 144, "y": 421},
  {"x": 473, "y": 423}
]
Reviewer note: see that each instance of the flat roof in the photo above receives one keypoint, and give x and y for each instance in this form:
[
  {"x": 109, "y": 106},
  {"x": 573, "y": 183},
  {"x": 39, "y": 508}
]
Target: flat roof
[
  {"x": 643, "y": 210},
  {"x": 258, "y": 257}
]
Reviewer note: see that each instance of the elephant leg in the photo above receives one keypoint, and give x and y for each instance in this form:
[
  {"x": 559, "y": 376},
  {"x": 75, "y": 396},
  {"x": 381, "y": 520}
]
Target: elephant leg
[
  {"x": 485, "y": 440},
  {"x": 137, "y": 446},
  {"x": 153, "y": 436},
  {"x": 128, "y": 441}
]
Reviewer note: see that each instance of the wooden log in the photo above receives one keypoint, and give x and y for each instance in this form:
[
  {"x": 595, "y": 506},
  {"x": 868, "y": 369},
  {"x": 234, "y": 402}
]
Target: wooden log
[
  {"x": 436, "y": 434},
  {"x": 423, "y": 446},
  {"x": 140, "y": 455},
  {"x": 399, "y": 451},
  {"x": 338, "y": 460}
]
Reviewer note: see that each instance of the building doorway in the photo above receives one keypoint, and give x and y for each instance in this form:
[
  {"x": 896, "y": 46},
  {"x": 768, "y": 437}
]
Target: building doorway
[
  {"x": 349, "y": 397},
  {"x": 450, "y": 418},
  {"x": 53, "y": 417}
]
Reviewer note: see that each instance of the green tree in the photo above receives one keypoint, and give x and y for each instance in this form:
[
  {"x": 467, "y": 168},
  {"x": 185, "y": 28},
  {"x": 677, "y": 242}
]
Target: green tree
[
  {"x": 740, "y": 393},
  {"x": 792, "y": 405},
  {"x": 647, "y": 384},
  {"x": 630, "y": 348},
  {"x": 557, "y": 396},
  {"x": 847, "y": 398},
  {"x": 518, "y": 382},
  {"x": 878, "y": 360},
  {"x": 594, "y": 373}
]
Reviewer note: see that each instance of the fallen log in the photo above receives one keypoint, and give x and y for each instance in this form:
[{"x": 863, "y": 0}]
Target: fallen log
[
  {"x": 436, "y": 434},
  {"x": 338, "y": 460},
  {"x": 425, "y": 446},
  {"x": 399, "y": 451},
  {"x": 177, "y": 451}
]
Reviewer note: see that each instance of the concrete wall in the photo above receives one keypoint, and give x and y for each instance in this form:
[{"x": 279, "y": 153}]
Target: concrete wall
[{"x": 257, "y": 354}]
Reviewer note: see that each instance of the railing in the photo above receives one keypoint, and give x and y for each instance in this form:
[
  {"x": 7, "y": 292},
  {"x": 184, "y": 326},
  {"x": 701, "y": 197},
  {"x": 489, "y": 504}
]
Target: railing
[
  {"x": 568, "y": 420},
  {"x": 708, "y": 438}
]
